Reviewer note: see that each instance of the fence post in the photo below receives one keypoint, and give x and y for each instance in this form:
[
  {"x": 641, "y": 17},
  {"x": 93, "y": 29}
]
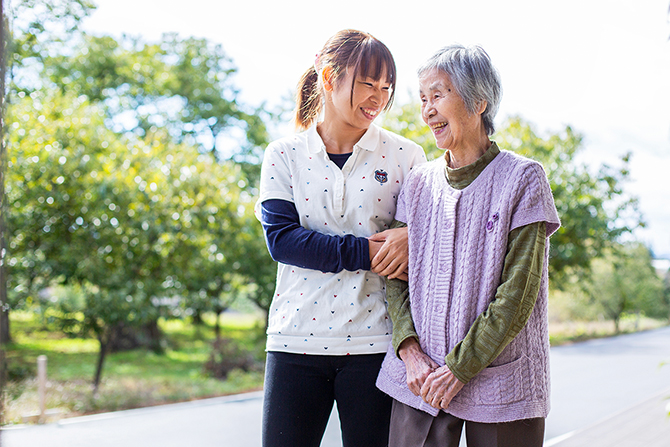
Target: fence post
[{"x": 42, "y": 385}]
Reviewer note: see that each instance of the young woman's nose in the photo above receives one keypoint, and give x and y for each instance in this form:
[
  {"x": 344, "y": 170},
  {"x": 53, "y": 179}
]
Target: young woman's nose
[{"x": 376, "y": 97}]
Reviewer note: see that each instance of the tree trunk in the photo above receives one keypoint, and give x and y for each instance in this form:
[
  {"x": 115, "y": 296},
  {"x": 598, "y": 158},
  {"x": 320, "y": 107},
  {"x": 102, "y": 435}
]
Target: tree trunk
[
  {"x": 5, "y": 335},
  {"x": 217, "y": 327},
  {"x": 4, "y": 308},
  {"x": 3, "y": 279},
  {"x": 104, "y": 344},
  {"x": 155, "y": 336}
]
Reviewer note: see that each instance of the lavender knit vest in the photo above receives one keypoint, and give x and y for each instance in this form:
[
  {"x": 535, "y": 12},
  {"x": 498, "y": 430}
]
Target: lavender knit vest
[{"x": 457, "y": 245}]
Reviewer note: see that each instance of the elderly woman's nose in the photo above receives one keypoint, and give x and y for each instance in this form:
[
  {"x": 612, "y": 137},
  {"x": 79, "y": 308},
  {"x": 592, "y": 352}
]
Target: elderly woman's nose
[{"x": 428, "y": 111}]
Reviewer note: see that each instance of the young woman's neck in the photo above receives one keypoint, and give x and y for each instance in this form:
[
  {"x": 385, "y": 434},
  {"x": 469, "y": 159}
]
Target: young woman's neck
[{"x": 338, "y": 136}]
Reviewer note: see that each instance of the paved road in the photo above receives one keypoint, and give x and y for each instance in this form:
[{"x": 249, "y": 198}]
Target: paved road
[
  {"x": 594, "y": 384},
  {"x": 600, "y": 378}
]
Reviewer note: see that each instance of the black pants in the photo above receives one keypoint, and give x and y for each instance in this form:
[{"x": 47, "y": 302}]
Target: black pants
[{"x": 299, "y": 395}]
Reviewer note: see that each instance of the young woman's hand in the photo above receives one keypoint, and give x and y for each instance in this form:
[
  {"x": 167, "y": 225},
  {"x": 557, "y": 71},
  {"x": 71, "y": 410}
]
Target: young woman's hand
[{"x": 392, "y": 258}]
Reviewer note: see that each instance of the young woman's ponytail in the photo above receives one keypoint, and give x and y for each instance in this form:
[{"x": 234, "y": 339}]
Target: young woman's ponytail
[{"x": 308, "y": 99}]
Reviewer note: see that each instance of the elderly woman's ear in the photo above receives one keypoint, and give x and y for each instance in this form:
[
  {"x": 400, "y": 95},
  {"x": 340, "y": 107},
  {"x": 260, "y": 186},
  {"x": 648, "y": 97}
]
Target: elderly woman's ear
[{"x": 481, "y": 107}]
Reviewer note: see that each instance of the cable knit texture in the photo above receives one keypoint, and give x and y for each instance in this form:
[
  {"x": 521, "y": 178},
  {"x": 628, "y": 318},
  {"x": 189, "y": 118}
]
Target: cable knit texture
[{"x": 457, "y": 244}]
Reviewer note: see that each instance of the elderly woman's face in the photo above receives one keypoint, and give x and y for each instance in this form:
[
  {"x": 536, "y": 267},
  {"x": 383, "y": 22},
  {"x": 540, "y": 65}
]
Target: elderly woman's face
[{"x": 443, "y": 109}]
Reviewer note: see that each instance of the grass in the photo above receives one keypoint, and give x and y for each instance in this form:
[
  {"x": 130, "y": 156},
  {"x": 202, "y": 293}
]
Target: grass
[
  {"x": 131, "y": 379},
  {"x": 572, "y": 318},
  {"x": 567, "y": 332}
]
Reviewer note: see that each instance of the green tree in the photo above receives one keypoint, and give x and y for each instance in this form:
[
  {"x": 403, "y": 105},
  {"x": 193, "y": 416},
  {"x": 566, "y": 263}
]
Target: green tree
[
  {"x": 174, "y": 92},
  {"x": 666, "y": 291},
  {"x": 65, "y": 211},
  {"x": 52, "y": 152},
  {"x": 625, "y": 282},
  {"x": 30, "y": 29},
  {"x": 132, "y": 221},
  {"x": 595, "y": 210}
]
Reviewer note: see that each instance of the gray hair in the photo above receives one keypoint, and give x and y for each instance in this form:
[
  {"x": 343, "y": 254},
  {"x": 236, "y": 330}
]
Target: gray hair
[{"x": 474, "y": 77}]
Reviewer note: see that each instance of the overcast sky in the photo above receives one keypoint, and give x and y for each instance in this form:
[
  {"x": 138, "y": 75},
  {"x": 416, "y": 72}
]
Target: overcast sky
[{"x": 600, "y": 66}]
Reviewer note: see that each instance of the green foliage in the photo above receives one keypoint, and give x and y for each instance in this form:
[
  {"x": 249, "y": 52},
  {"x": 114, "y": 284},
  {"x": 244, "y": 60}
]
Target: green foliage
[
  {"x": 666, "y": 290},
  {"x": 184, "y": 86},
  {"x": 55, "y": 154},
  {"x": 625, "y": 282},
  {"x": 594, "y": 209},
  {"x": 227, "y": 356},
  {"x": 181, "y": 85}
]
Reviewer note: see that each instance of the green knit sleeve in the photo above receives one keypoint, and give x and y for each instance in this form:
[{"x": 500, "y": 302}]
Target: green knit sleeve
[
  {"x": 513, "y": 304},
  {"x": 397, "y": 297}
]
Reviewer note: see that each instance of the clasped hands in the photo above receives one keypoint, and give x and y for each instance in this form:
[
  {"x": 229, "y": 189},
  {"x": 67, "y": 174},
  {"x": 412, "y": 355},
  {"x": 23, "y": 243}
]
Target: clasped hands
[
  {"x": 389, "y": 255},
  {"x": 436, "y": 384}
]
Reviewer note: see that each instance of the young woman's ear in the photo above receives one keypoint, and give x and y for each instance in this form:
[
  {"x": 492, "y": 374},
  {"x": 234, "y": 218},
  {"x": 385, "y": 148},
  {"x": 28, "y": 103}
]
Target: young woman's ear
[{"x": 327, "y": 78}]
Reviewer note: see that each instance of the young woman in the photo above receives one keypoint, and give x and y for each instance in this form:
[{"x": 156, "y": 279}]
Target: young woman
[{"x": 324, "y": 193}]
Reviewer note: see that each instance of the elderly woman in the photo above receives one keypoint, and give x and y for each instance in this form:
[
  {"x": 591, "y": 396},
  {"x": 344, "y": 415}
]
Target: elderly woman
[{"x": 470, "y": 343}]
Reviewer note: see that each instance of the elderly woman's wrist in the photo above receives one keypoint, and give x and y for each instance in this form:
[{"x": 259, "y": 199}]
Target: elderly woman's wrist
[{"x": 409, "y": 346}]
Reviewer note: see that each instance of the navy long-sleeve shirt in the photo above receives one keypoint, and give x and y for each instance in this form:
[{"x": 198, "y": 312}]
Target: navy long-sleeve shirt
[{"x": 291, "y": 243}]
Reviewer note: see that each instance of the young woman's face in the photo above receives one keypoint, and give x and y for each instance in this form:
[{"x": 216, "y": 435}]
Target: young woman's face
[{"x": 359, "y": 109}]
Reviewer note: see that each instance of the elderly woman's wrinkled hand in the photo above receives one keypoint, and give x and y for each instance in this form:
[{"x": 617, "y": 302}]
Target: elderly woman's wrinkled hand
[
  {"x": 440, "y": 387},
  {"x": 417, "y": 364}
]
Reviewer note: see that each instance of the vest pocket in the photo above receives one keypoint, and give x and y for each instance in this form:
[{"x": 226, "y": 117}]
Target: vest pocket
[{"x": 498, "y": 385}]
